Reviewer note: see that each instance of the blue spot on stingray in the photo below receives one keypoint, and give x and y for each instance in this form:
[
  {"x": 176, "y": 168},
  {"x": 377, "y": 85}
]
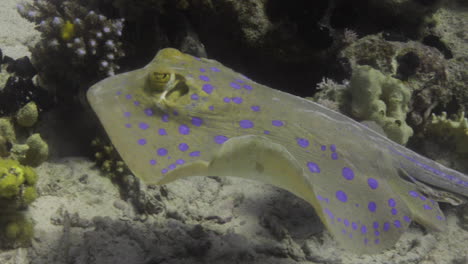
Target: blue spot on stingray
[
  {"x": 204, "y": 78},
  {"x": 255, "y": 108},
  {"x": 162, "y": 152},
  {"x": 162, "y": 132},
  {"x": 277, "y": 123},
  {"x": 248, "y": 87},
  {"x": 208, "y": 88},
  {"x": 427, "y": 207},
  {"x": 237, "y": 100},
  {"x": 220, "y": 139},
  {"x": 194, "y": 154},
  {"x": 235, "y": 85},
  {"x": 372, "y": 206},
  {"x": 246, "y": 123},
  {"x": 302, "y": 142},
  {"x": 334, "y": 156},
  {"x": 143, "y": 126},
  {"x": 363, "y": 229},
  {"x": 184, "y": 129},
  {"x": 196, "y": 121},
  {"x": 397, "y": 223},
  {"x": 313, "y": 167},
  {"x": 148, "y": 111},
  {"x": 341, "y": 196},
  {"x": 373, "y": 183},
  {"x": 347, "y": 173},
  {"x": 386, "y": 226},
  {"x": 183, "y": 147}
]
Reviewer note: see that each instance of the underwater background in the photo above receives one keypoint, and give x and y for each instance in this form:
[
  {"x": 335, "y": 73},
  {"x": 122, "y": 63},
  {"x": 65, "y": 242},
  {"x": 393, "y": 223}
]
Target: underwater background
[{"x": 67, "y": 197}]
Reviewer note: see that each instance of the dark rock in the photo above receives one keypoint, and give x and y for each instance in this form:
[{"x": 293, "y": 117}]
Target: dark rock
[
  {"x": 18, "y": 92},
  {"x": 394, "y": 36},
  {"x": 22, "y": 67},
  {"x": 434, "y": 41},
  {"x": 407, "y": 65},
  {"x": 7, "y": 60}
]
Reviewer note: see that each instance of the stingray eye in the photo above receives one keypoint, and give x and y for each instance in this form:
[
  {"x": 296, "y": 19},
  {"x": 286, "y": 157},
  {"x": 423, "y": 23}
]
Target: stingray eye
[
  {"x": 157, "y": 81},
  {"x": 161, "y": 77}
]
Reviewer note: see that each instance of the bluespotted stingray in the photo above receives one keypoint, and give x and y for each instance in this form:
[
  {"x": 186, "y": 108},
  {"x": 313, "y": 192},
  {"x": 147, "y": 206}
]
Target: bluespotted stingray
[{"x": 183, "y": 116}]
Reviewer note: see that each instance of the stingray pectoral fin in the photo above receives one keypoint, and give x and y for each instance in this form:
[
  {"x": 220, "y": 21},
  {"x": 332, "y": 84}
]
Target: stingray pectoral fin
[
  {"x": 258, "y": 158},
  {"x": 251, "y": 157},
  {"x": 423, "y": 209},
  {"x": 196, "y": 168}
]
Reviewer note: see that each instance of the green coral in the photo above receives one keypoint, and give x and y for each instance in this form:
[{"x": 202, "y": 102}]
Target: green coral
[
  {"x": 452, "y": 131},
  {"x": 7, "y": 130},
  {"x": 27, "y": 115},
  {"x": 21, "y": 231},
  {"x": 15, "y": 230},
  {"x": 382, "y": 99},
  {"x": 14, "y": 179},
  {"x": 38, "y": 151},
  {"x": 35, "y": 150},
  {"x": 17, "y": 191}
]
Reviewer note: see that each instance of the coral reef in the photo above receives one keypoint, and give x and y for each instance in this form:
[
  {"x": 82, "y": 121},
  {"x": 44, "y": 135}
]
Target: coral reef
[
  {"x": 382, "y": 99},
  {"x": 27, "y": 116},
  {"x": 423, "y": 69},
  {"x": 17, "y": 143},
  {"x": 17, "y": 191},
  {"x": 17, "y": 179},
  {"x": 447, "y": 34},
  {"x": 108, "y": 159},
  {"x": 450, "y": 132},
  {"x": 17, "y": 87},
  {"x": 85, "y": 44}
]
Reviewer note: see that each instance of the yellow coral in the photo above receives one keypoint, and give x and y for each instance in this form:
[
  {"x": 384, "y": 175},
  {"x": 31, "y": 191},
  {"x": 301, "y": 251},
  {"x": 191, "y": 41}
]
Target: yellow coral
[
  {"x": 11, "y": 178},
  {"x": 17, "y": 181},
  {"x": 68, "y": 30}
]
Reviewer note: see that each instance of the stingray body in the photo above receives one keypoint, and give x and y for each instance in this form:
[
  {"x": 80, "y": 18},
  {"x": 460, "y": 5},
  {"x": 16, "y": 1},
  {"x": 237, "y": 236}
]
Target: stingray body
[{"x": 183, "y": 116}]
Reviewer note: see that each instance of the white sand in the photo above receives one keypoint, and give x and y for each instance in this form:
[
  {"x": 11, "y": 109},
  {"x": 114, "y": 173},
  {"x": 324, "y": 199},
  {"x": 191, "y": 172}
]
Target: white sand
[{"x": 15, "y": 32}]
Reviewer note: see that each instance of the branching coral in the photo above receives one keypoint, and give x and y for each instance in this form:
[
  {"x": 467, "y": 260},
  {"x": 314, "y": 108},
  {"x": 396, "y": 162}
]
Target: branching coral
[{"x": 77, "y": 44}]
